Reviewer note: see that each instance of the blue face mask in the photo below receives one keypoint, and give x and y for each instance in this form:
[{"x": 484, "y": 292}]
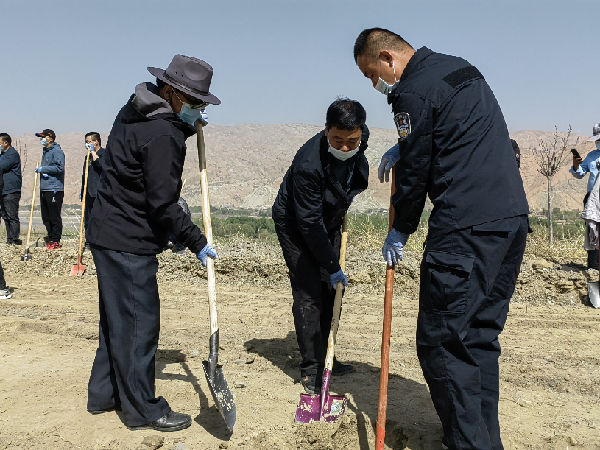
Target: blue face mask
[
  {"x": 189, "y": 114},
  {"x": 43, "y": 141}
]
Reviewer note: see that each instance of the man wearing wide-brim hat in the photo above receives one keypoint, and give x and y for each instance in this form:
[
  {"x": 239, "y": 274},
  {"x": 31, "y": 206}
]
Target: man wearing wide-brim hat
[{"x": 135, "y": 212}]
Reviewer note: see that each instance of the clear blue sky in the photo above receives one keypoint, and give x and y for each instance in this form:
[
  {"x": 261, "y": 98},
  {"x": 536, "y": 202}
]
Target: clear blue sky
[{"x": 71, "y": 65}]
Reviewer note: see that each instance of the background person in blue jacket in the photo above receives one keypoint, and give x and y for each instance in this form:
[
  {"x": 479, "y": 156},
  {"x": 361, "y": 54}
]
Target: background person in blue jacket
[
  {"x": 10, "y": 168},
  {"x": 453, "y": 146},
  {"x": 52, "y": 187},
  {"x": 94, "y": 171},
  {"x": 579, "y": 169}
]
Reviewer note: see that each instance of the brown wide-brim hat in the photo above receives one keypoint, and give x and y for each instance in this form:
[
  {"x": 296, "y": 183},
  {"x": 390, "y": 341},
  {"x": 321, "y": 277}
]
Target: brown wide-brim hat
[{"x": 191, "y": 76}]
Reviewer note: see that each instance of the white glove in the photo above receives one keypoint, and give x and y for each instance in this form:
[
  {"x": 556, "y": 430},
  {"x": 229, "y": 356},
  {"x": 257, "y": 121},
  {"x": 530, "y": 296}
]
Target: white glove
[{"x": 388, "y": 160}]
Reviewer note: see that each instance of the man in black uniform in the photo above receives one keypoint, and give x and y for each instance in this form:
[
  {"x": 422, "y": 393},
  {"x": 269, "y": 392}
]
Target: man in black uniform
[
  {"x": 94, "y": 144},
  {"x": 328, "y": 171},
  {"x": 135, "y": 211},
  {"x": 453, "y": 145},
  {"x": 10, "y": 171}
]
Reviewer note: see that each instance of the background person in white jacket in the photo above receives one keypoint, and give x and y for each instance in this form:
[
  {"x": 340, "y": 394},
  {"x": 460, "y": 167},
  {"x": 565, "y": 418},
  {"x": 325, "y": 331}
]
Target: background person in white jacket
[{"x": 579, "y": 169}]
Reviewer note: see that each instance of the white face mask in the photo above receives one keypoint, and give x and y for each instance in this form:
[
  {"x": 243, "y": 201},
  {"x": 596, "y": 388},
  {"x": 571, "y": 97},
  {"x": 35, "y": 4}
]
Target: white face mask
[
  {"x": 341, "y": 155},
  {"x": 382, "y": 86}
]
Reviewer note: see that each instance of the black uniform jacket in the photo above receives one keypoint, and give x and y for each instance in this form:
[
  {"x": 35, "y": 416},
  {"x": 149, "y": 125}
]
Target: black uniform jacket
[
  {"x": 311, "y": 199},
  {"x": 454, "y": 147},
  {"x": 94, "y": 172},
  {"x": 136, "y": 207},
  {"x": 10, "y": 168}
]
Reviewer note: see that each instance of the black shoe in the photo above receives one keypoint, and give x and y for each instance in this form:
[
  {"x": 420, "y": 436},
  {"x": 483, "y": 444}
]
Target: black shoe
[
  {"x": 340, "y": 369},
  {"x": 169, "y": 422},
  {"x": 311, "y": 383},
  {"x": 100, "y": 411}
]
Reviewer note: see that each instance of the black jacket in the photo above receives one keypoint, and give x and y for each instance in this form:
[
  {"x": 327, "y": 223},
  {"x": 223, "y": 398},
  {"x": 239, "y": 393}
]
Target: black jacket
[
  {"x": 311, "y": 199},
  {"x": 136, "y": 207},
  {"x": 454, "y": 147},
  {"x": 10, "y": 166},
  {"x": 94, "y": 172}
]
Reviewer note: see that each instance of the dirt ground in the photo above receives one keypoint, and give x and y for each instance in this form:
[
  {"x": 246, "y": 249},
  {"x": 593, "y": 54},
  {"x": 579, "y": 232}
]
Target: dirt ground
[{"x": 550, "y": 372}]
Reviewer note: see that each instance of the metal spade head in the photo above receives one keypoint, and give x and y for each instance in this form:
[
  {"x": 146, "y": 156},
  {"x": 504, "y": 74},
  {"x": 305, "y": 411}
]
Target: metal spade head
[
  {"x": 26, "y": 257},
  {"x": 594, "y": 293},
  {"x": 77, "y": 269},
  {"x": 309, "y": 408},
  {"x": 220, "y": 392}
]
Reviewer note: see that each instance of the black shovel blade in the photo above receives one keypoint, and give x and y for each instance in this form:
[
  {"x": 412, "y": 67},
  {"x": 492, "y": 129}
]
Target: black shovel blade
[
  {"x": 220, "y": 392},
  {"x": 26, "y": 256}
]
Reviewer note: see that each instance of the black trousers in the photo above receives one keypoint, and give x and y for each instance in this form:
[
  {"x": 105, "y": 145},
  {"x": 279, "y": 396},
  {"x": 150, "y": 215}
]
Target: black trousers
[
  {"x": 467, "y": 279},
  {"x": 313, "y": 297},
  {"x": 2, "y": 281},
  {"x": 123, "y": 373},
  {"x": 51, "y": 207},
  {"x": 89, "y": 205},
  {"x": 593, "y": 255},
  {"x": 9, "y": 209}
]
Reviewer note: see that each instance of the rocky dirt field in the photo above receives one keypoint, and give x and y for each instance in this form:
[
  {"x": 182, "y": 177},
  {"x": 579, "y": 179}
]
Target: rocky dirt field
[{"x": 550, "y": 370}]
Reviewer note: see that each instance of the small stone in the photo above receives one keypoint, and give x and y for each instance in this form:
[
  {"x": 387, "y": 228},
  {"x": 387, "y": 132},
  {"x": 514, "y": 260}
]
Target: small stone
[
  {"x": 181, "y": 447},
  {"x": 223, "y": 445},
  {"x": 375, "y": 369},
  {"x": 194, "y": 353},
  {"x": 573, "y": 441},
  {"x": 240, "y": 384},
  {"x": 240, "y": 362},
  {"x": 153, "y": 442},
  {"x": 249, "y": 359}
]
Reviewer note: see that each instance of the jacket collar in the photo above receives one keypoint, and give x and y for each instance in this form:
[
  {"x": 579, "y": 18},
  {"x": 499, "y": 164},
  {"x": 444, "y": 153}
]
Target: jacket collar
[{"x": 411, "y": 67}]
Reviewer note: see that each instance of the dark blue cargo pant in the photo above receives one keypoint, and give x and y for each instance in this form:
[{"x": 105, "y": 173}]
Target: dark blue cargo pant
[
  {"x": 123, "y": 374},
  {"x": 467, "y": 279}
]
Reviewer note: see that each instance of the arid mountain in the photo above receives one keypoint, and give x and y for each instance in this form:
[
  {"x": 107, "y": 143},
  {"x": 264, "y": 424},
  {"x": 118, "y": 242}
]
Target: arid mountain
[{"x": 246, "y": 164}]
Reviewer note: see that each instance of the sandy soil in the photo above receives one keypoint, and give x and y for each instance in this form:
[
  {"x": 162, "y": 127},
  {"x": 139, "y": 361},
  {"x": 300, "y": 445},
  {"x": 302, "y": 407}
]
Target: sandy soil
[{"x": 550, "y": 372}]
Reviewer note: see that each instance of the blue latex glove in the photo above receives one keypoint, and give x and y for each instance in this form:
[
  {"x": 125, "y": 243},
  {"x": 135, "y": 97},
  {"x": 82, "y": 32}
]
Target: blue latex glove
[
  {"x": 203, "y": 117},
  {"x": 39, "y": 169},
  {"x": 392, "y": 247},
  {"x": 206, "y": 252},
  {"x": 388, "y": 160},
  {"x": 45, "y": 175},
  {"x": 335, "y": 278}
]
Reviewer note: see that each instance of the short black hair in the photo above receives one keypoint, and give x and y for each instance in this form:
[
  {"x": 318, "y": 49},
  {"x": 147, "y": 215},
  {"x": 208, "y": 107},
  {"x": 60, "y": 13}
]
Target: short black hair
[
  {"x": 6, "y": 138},
  {"x": 94, "y": 136},
  {"x": 345, "y": 114},
  {"x": 160, "y": 84},
  {"x": 372, "y": 40}
]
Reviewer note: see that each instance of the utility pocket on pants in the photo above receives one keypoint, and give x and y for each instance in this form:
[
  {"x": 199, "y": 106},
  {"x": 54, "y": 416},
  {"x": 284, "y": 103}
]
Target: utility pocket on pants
[{"x": 448, "y": 281}]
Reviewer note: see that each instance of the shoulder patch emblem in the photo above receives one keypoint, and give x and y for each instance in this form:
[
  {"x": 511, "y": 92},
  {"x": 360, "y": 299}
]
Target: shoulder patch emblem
[{"x": 402, "y": 121}]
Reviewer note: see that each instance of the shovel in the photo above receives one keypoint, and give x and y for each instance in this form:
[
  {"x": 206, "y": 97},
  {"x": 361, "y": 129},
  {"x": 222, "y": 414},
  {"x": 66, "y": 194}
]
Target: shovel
[
  {"x": 79, "y": 268},
  {"x": 385, "y": 338},
  {"x": 326, "y": 407},
  {"x": 214, "y": 373},
  {"x": 27, "y": 256}
]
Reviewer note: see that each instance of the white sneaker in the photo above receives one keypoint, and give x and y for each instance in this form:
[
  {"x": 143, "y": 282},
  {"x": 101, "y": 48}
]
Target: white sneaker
[{"x": 4, "y": 294}]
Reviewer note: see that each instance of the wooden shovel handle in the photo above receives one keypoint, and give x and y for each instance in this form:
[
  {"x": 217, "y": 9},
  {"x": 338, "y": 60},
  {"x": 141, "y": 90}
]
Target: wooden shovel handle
[
  {"x": 37, "y": 164},
  {"x": 337, "y": 303},
  {"x": 83, "y": 196},
  {"x": 210, "y": 268},
  {"x": 386, "y": 336}
]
